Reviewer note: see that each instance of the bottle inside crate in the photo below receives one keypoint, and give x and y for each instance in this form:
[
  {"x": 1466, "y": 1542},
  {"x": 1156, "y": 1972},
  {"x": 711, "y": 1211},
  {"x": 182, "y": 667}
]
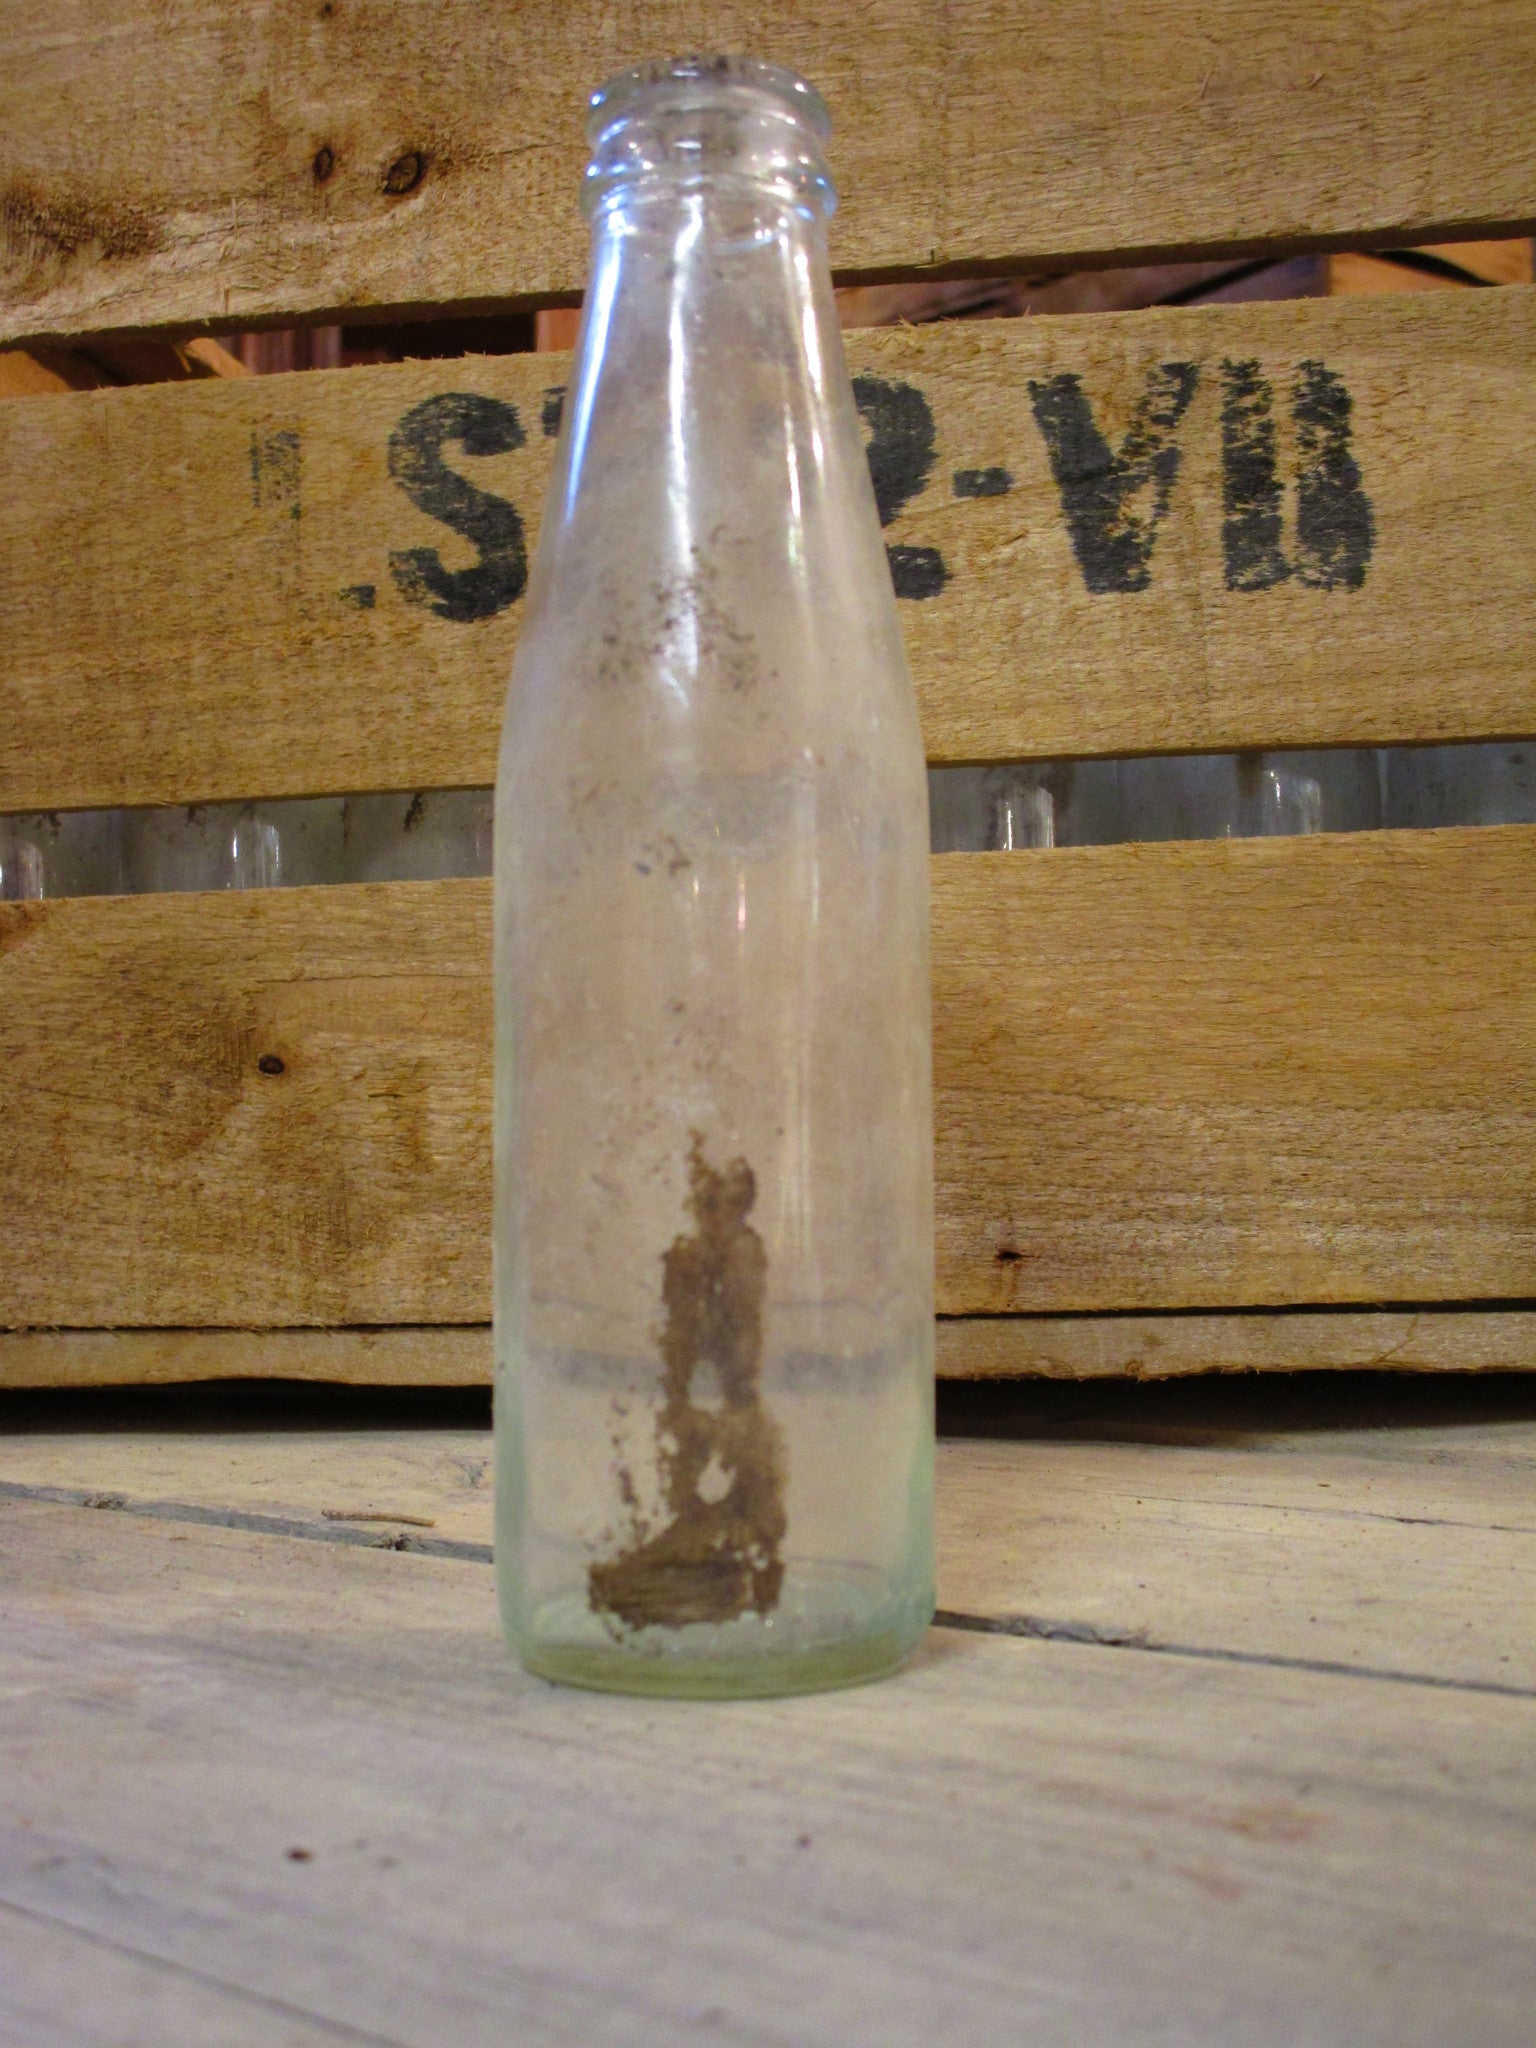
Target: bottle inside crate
[
  {"x": 1491, "y": 784},
  {"x": 420, "y": 837},
  {"x": 235, "y": 846},
  {"x": 61, "y": 853}
]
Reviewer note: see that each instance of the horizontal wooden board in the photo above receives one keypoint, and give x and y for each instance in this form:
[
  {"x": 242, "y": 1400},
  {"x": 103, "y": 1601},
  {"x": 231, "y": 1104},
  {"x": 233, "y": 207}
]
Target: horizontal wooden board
[
  {"x": 1232, "y": 1072},
  {"x": 1408, "y": 1518},
  {"x": 171, "y": 1169},
  {"x": 1038, "y": 1840},
  {"x": 200, "y": 602},
  {"x": 1159, "y": 1347},
  {"x": 403, "y": 1355},
  {"x": 247, "y": 165},
  {"x": 1012, "y": 1347},
  {"x": 1180, "y": 1075}
]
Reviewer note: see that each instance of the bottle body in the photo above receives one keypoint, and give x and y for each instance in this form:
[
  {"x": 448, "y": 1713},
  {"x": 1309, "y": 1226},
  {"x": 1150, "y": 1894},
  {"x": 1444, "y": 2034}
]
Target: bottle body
[
  {"x": 1019, "y": 806},
  {"x": 1305, "y": 791},
  {"x": 714, "y": 1206}
]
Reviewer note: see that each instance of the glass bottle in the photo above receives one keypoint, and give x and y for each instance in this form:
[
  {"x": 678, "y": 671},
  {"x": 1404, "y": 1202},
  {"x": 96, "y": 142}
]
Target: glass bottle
[
  {"x": 60, "y": 853},
  {"x": 236, "y": 846},
  {"x": 714, "y": 1230},
  {"x": 1490, "y": 783},
  {"x": 1316, "y": 790},
  {"x": 418, "y": 838},
  {"x": 1020, "y": 805}
]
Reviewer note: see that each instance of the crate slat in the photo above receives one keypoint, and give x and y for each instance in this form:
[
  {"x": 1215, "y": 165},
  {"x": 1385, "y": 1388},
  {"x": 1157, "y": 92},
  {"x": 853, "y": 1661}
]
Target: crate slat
[
  {"x": 1079, "y": 1347},
  {"x": 253, "y": 164},
  {"x": 1237, "y": 1072},
  {"x": 1221, "y": 1074},
  {"x": 199, "y": 600}
]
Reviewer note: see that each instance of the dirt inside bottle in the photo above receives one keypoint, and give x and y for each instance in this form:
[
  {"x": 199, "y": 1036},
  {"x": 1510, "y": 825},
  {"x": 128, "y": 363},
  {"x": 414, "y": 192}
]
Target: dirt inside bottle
[{"x": 717, "y": 1553}]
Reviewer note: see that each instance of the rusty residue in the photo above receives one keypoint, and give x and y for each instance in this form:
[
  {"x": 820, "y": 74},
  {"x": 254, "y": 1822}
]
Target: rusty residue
[{"x": 721, "y": 1468}]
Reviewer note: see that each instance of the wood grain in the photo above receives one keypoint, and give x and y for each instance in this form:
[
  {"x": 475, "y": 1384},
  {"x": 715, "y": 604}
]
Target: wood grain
[
  {"x": 1033, "y": 1840},
  {"x": 355, "y": 1180},
  {"x": 1012, "y": 1347},
  {"x": 1167, "y": 1076},
  {"x": 1171, "y": 1346},
  {"x": 199, "y": 600},
  {"x": 1406, "y": 1517},
  {"x": 440, "y": 1355},
  {"x": 252, "y": 164},
  {"x": 1234, "y": 1072}
]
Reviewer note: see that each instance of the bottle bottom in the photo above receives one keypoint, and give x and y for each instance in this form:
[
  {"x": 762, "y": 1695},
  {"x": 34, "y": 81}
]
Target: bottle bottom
[
  {"x": 814, "y": 1646},
  {"x": 825, "y": 1669}
]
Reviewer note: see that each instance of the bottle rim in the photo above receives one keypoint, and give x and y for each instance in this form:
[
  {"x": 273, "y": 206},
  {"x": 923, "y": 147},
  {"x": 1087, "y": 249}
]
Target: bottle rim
[{"x": 691, "y": 80}]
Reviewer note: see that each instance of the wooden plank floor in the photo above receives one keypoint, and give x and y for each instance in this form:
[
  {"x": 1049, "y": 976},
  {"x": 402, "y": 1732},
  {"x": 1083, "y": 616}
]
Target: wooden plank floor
[{"x": 1228, "y": 1736}]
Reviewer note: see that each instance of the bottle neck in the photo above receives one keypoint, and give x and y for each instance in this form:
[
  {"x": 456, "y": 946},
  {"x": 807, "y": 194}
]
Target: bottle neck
[
  {"x": 709, "y": 323},
  {"x": 708, "y": 124}
]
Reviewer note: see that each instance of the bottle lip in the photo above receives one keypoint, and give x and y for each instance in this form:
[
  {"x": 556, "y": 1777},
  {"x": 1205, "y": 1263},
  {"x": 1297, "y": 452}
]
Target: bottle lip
[{"x": 695, "y": 80}]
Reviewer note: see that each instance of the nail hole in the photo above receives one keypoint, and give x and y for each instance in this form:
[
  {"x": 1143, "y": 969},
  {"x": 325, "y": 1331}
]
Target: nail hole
[
  {"x": 405, "y": 173},
  {"x": 1007, "y": 1256},
  {"x": 301, "y": 1855},
  {"x": 324, "y": 163},
  {"x": 270, "y": 1063}
]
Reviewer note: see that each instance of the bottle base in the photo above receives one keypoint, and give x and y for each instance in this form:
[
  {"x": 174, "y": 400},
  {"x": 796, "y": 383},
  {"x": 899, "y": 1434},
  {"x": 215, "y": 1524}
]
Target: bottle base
[{"x": 825, "y": 1667}]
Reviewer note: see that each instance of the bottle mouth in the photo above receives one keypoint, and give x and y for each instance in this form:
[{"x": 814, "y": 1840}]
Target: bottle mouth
[
  {"x": 695, "y": 81},
  {"x": 683, "y": 121}
]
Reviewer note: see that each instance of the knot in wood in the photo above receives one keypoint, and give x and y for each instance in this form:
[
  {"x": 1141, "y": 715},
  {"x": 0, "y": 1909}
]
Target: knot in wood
[{"x": 405, "y": 173}]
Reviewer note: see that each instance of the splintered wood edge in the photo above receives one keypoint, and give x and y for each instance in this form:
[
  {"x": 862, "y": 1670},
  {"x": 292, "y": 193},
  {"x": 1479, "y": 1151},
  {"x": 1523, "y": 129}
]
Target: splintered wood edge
[{"x": 1141, "y": 1347}]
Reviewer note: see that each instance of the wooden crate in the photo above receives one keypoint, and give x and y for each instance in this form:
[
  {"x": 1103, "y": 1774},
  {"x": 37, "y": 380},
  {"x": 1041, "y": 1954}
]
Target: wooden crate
[{"x": 1242, "y": 1105}]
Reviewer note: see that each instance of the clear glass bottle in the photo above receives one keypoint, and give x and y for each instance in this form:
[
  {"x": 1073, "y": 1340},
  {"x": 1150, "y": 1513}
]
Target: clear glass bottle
[
  {"x": 1491, "y": 783},
  {"x": 1333, "y": 790},
  {"x": 236, "y": 846},
  {"x": 60, "y": 853},
  {"x": 714, "y": 1232},
  {"x": 1015, "y": 806},
  {"x": 419, "y": 838}
]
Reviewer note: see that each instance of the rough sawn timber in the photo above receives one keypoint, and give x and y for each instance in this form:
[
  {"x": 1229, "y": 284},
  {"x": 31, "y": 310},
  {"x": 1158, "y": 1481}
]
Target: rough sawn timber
[
  {"x": 252, "y": 164},
  {"x": 1014, "y": 1840},
  {"x": 1406, "y": 1517},
  {"x": 1070, "y": 1348},
  {"x": 1224, "y": 1074},
  {"x": 200, "y": 602}
]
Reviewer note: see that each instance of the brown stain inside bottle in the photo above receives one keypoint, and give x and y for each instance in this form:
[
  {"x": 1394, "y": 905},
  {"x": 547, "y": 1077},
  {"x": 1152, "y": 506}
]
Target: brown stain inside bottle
[{"x": 712, "y": 1559}]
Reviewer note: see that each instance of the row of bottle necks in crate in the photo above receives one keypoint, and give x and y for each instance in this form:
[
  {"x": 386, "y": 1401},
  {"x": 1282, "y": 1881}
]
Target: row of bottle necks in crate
[{"x": 1038, "y": 804}]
